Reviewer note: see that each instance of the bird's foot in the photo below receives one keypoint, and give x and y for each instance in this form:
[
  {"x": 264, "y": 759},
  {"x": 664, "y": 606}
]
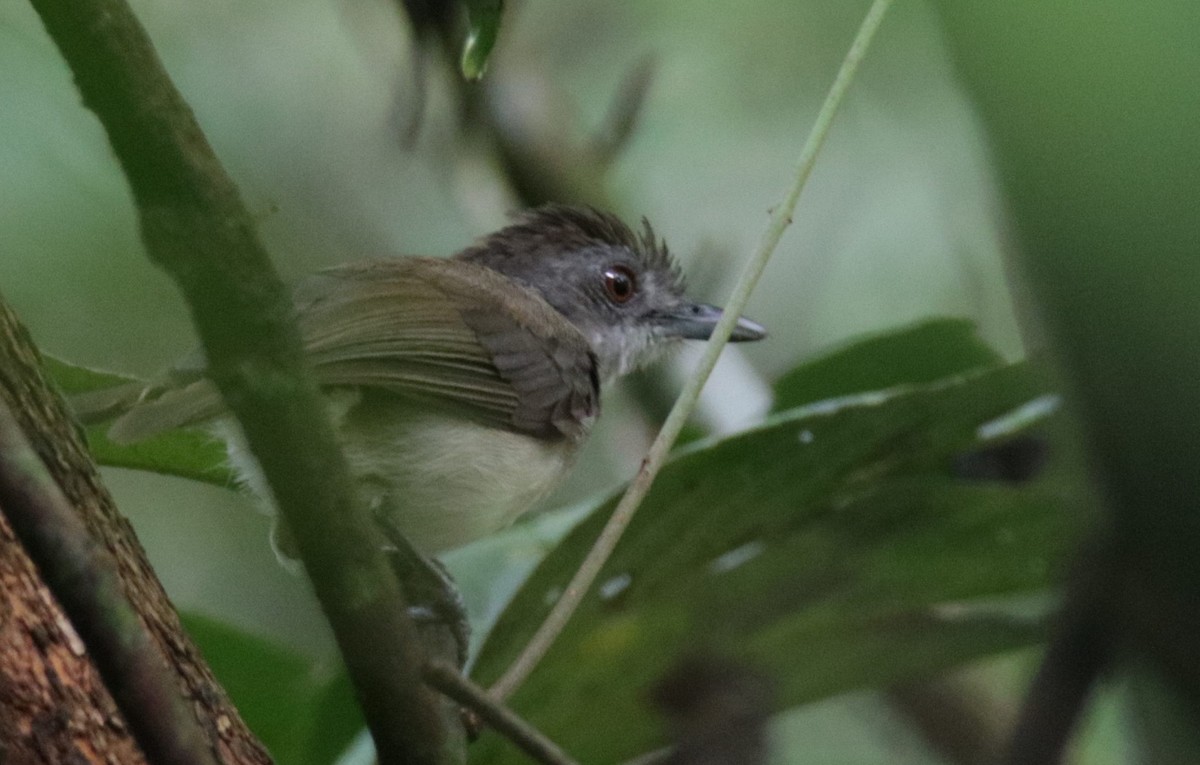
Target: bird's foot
[{"x": 434, "y": 600}]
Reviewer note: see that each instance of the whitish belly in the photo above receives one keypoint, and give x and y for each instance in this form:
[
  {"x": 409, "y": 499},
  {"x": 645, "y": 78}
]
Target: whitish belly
[
  {"x": 445, "y": 482},
  {"x": 442, "y": 481}
]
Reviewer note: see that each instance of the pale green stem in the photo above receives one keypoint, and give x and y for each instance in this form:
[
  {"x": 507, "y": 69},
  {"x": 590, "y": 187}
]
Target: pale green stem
[{"x": 781, "y": 218}]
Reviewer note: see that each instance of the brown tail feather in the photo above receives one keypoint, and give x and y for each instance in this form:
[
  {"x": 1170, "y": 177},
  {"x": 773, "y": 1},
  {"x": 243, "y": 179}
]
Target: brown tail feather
[{"x": 190, "y": 405}]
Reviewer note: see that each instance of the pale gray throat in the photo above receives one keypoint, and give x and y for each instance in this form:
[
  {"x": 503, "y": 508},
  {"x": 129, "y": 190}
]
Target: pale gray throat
[{"x": 624, "y": 349}]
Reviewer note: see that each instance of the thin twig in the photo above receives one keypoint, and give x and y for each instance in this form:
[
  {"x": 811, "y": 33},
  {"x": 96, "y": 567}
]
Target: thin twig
[
  {"x": 83, "y": 577},
  {"x": 781, "y": 218},
  {"x": 1081, "y": 649},
  {"x": 656, "y": 757},
  {"x": 624, "y": 112},
  {"x": 960, "y": 722},
  {"x": 502, "y": 719},
  {"x": 196, "y": 228}
]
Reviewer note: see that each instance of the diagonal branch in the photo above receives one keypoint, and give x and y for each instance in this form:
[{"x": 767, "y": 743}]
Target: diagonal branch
[
  {"x": 196, "y": 228},
  {"x": 505, "y": 722},
  {"x": 781, "y": 218},
  {"x": 1081, "y": 650},
  {"x": 50, "y": 681}
]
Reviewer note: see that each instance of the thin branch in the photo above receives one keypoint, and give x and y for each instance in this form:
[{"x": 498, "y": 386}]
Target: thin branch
[
  {"x": 624, "y": 112},
  {"x": 502, "y": 719},
  {"x": 960, "y": 722},
  {"x": 781, "y": 218},
  {"x": 1080, "y": 651},
  {"x": 656, "y": 757},
  {"x": 542, "y": 165},
  {"x": 83, "y": 577},
  {"x": 1058, "y": 695},
  {"x": 196, "y": 228}
]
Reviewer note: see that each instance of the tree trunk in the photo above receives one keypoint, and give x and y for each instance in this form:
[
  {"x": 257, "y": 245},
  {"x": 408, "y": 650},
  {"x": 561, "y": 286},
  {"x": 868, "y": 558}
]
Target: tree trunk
[{"x": 54, "y": 708}]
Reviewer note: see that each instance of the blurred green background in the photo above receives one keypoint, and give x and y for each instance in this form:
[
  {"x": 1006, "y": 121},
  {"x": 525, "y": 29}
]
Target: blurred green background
[{"x": 308, "y": 101}]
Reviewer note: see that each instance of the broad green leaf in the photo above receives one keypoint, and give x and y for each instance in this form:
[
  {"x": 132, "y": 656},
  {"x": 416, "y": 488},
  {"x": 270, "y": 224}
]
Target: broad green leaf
[
  {"x": 72, "y": 378},
  {"x": 185, "y": 453},
  {"x": 919, "y": 353},
  {"x": 304, "y": 714},
  {"x": 483, "y": 25},
  {"x": 190, "y": 454},
  {"x": 831, "y": 548},
  {"x": 1090, "y": 114}
]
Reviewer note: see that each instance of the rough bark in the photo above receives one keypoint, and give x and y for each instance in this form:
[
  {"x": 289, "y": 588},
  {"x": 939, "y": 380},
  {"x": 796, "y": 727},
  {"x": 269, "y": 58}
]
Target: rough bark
[
  {"x": 53, "y": 705},
  {"x": 195, "y": 226}
]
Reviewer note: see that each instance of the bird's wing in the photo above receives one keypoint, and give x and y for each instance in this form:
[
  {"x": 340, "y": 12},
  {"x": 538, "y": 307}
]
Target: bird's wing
[
  {"x": 443, "y": 331},
  {"x": 451, "y": 332}
]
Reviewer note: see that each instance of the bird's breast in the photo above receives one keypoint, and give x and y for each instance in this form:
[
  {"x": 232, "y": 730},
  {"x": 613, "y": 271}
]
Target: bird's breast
[
  {"x": 442, "y": 480},
  {"x": 445, "y": 481}
]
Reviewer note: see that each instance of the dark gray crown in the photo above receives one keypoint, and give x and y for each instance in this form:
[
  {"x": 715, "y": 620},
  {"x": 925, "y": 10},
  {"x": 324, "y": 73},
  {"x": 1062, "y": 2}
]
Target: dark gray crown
[{"x": 553, "y": 229}]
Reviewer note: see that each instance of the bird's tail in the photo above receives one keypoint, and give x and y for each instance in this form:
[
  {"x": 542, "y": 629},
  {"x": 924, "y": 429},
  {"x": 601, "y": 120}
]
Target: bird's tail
[
  {"x": 140, "y": 411},
  {"x": 97, "y": 406}
]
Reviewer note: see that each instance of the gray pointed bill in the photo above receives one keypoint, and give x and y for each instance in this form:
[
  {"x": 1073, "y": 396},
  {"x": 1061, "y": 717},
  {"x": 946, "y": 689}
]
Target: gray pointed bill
[{"x": 695, "y": 321}]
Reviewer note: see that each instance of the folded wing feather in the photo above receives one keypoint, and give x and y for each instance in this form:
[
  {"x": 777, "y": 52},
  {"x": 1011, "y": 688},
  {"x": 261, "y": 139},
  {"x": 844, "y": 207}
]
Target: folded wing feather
[{"x": 448, "y": 331}]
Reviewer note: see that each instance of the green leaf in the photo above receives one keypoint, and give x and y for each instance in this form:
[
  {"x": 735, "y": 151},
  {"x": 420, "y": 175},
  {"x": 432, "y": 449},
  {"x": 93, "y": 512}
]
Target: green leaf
[
  {"x": 1093, "y": 149},
  {"x": 920, "y": 353},
  {"x": 72, "y": 378},
  {"x": 833, "y": 548},
  {"x": 304, "y": 713},
  {"x": 185, "y": 453},
  {"x": 483, "y": 25},
  {"x": 190, "y": 454}
]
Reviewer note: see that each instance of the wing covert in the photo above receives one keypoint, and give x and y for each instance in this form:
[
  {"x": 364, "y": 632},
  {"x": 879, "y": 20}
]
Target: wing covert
[{"x": 438, "y": 330}]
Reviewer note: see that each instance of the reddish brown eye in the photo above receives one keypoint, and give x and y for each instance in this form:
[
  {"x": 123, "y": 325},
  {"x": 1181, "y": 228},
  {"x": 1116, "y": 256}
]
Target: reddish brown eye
[{"x": 619, "y": 283}]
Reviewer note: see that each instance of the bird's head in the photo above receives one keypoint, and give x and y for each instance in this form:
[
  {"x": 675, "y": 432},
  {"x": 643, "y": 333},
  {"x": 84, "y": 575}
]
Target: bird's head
[{"x": 621, "y": 289}]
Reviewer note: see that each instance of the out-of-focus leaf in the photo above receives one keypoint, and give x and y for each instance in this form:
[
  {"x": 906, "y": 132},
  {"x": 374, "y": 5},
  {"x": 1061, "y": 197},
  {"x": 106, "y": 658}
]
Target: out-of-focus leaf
[
  {"x": 72, "y": 378},
  {"x": 304, "y": 714},
  {"x": 190, "y": 454},
  {"x": 920, "y": 353},
  {"x": 1090, "y": 114},
  {"x": 483, "y": 25},
  {"x": 1163, "y": 719},
  {"x": 185, "y": 453},
  {"x": 831, "y": 549}
]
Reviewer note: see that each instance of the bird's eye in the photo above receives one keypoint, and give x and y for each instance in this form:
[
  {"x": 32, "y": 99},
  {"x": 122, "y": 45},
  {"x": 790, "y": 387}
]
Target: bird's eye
[{"x": 619, "y": 283}]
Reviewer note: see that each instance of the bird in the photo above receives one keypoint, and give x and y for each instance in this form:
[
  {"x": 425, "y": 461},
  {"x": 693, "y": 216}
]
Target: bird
[{"x": 461, "y": 389}]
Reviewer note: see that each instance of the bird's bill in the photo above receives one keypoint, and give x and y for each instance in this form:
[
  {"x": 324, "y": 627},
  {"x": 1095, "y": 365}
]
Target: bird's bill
[{"x": 696, "y": 321}]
